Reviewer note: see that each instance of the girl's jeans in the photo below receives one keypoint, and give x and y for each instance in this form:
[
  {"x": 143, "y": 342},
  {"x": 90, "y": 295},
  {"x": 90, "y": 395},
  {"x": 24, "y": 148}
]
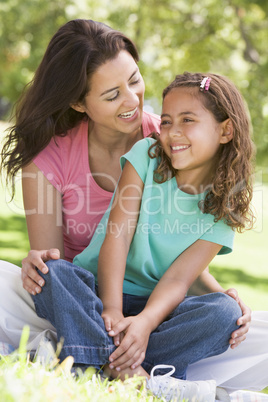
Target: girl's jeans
[{"x": 199, "y": 327}]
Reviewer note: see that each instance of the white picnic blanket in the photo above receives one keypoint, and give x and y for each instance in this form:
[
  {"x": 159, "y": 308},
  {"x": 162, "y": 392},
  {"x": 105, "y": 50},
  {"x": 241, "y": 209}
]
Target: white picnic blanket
[{"x": 248, "y": 396}]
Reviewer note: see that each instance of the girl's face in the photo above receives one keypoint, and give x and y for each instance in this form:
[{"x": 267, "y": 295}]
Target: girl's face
[
  {"x": 115, "y": 99},
  {"x": 191, "y": 136}
]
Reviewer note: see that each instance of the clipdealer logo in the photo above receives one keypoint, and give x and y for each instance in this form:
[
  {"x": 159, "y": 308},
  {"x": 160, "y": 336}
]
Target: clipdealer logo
[{"x": 174, "y": 227}]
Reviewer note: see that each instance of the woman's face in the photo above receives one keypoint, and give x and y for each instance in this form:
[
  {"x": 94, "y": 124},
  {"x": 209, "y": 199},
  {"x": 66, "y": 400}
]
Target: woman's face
[{"x": 115, "y": 99}]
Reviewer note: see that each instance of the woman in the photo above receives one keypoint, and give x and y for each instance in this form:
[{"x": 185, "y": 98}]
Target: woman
[{"x": 81, "y": 113}]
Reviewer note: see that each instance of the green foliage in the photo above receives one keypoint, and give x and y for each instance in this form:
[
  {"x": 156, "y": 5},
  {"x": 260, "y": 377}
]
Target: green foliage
[
  {"x": 227, "y": 37},
  {"x": 25, "y": 29}
]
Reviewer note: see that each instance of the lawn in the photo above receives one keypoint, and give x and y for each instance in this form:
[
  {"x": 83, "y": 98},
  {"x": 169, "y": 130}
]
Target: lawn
[
  {"x": 246, "y": 268},
  {"x": 24, "y": 381}
]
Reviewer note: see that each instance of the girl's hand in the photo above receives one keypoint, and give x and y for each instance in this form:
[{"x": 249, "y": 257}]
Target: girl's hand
[
  {"x": 131, "y": 351},
  {"x": 32, "y": 282},
  {"x": 239, "y": 335},
  {"x": 111, "y": 317}
]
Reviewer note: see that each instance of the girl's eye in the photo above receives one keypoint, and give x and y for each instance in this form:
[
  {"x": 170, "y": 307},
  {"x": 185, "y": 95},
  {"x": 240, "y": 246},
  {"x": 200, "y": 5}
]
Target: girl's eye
[
  {"x": 164, "y": 122},
  {"x": 114, "y": 97},
  {"x": 187, "y": 120}
]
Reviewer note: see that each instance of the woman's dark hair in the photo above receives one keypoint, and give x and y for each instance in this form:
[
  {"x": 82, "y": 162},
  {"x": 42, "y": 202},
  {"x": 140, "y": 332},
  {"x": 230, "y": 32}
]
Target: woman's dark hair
[
  {"x": 63, "y": 77},
  {"x": 231, "y": 190}
]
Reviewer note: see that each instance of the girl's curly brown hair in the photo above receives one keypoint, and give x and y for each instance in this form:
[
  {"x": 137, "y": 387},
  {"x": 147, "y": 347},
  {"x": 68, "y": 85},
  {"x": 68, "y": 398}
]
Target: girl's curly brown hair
[{"x": 231, "y": 190}]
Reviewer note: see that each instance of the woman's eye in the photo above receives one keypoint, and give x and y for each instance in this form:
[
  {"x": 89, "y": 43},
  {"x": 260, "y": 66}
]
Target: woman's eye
[
  {"x": 187, "y": 120},
  {"x": 113, "y": 98},
  {"x": 135, "y": 82}
]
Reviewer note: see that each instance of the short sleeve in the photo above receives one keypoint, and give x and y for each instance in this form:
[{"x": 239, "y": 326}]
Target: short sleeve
[
  {"x": 138, "y": 157},
  {"x": 150, "y": 123},
  {"x": 50, "y": 162},
  {"x": 220, "y": 233}
]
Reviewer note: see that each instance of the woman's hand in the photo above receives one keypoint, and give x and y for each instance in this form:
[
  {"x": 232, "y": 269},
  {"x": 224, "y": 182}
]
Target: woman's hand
[
  {"x": 32, "y": 282},
  {"x": 239, "y": 335}
]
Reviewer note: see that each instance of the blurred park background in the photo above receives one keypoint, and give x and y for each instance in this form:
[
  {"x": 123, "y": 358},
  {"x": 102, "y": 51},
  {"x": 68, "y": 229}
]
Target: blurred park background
[{"x": 227, "y": 37}]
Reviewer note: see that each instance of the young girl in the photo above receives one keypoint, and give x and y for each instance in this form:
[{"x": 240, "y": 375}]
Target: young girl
[{"x": 178, "y": 202}]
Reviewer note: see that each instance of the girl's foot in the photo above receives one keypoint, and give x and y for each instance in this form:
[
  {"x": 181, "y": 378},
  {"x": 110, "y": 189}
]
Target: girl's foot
[{"x": 170, "y": 387}]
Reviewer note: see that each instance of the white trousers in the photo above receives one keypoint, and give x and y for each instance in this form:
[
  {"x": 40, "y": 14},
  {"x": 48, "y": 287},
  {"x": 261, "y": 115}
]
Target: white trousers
[
  {"x": 17, "y": 309},
  {"x": 245, "y": 367}
]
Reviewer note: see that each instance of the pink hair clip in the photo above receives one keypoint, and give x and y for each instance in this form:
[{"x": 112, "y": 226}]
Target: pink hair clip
[{"x": 205, "y": 83}]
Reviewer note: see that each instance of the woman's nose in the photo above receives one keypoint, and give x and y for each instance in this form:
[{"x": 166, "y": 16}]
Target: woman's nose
[{"x": 132, "y": 98}]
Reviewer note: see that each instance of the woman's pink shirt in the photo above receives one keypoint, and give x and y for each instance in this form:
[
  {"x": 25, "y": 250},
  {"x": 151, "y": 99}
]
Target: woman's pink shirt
[{"x": 64, "y": 162}]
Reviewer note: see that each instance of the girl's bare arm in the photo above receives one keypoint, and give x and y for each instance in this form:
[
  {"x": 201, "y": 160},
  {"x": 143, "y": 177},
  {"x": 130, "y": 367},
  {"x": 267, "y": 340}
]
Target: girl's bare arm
[{"x": 114, "y": 251}]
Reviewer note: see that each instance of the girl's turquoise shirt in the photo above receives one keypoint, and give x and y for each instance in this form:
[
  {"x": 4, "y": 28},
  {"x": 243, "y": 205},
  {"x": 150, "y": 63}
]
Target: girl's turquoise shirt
[{"x": 169, "y": 222}]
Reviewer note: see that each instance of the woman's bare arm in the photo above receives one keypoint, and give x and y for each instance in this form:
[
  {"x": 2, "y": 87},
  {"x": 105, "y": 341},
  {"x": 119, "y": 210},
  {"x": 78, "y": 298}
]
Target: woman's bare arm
[{"x": 43, "y": 211}]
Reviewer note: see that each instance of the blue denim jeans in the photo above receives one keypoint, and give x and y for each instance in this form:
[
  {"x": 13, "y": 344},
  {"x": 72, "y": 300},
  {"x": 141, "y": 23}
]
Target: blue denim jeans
[{"x": 198, "y": 328}]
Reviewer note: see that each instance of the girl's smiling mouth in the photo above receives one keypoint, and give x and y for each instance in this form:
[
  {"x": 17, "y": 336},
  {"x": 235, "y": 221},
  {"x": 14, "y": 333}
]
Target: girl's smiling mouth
[{"x": 176, "y": 148}]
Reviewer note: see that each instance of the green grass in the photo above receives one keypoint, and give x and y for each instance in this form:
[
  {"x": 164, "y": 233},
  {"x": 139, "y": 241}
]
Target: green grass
[
  {"x": 27, "y": 382},
  {"x": 246, "y": 267},
  {"x": 24, "y": 381}
]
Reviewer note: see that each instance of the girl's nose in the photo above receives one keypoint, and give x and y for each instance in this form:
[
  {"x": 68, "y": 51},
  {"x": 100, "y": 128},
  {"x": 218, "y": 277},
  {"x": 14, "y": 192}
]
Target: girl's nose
[{"x": 175, "y": 131}]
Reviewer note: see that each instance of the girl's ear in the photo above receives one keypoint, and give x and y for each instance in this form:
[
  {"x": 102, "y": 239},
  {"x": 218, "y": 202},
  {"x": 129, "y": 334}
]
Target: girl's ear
[
  {"x": 78, "y": 107},
  {"x": 227, "y": 131}
]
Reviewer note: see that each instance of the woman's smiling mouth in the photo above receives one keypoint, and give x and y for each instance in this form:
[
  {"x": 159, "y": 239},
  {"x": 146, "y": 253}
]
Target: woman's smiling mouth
[{"x": 129, "y": 114}]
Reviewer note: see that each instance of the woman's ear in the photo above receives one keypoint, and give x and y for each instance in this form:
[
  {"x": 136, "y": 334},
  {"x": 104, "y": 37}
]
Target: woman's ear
[
  {"x": 79, "y": 107},
  {"x": 227, "y": 131}
]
